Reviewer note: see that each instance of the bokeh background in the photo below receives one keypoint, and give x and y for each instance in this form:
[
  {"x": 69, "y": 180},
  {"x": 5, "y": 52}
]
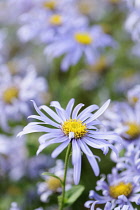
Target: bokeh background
[{"x": 115, "y": 72}]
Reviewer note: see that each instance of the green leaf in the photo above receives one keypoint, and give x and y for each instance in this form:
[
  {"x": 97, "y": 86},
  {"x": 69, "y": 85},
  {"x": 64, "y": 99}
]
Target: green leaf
[
  {"x": 50, "y": 174},
  {"x": 72, "y": 195}
]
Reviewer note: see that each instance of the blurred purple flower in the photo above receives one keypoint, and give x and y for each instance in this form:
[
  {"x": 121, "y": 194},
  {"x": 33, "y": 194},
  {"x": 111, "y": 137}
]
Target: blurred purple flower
[
  {"x": 87, "y": 42},
  {"x": 119, "y": 191}
]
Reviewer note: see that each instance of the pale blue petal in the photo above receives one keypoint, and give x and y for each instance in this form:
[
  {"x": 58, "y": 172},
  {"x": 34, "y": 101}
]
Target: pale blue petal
[
  {"x": 88, "y": 204},
  {"x": 45, "y": 119},
  {"x": 66, "y": 62},
  {"x": 87, "y": 110},
  {"x": 60, "y": 111},
  {"x": 69, "y": 107},
  {"x": 108, "y": 136},
  {"x": 84, "y": 117},
  {"x": 51, "y": 113},
  {"x": 76, "y": 110},
  {"x": 91, "y": 57},
  {"x": 90, "y": 157},
  {"x": 76, "y": 160},
  {"x": 99, "y": 112},
  {"x": 75, "y": 151},
  {"x": 60, "y": 148},
  {"x": 46, "y": 144},
  {"x": 48, "y": 136}
]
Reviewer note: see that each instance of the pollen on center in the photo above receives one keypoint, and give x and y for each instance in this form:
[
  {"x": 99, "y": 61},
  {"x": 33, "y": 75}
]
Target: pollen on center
[
  {"x": 83, "y": 38},
  {"x": 76, "y": 126},
  {"x": 120, "y": 189}
]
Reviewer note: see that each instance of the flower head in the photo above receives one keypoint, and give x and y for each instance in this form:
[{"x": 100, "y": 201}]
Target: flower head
[
  {"x": 80, "y": 41},
  {"x": 130, "y": 163},
  {"x": 17, "y": 88},
  {"x": 52, "y": 185},
  {"x": 125, "y": 120},
  {"x": 133, "y": 94},
  {"x": 120, "y": 191},
  {"x": 68, "y": 126}
]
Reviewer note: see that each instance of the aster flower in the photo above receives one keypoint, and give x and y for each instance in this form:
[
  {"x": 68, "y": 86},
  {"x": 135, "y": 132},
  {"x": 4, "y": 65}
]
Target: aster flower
[
  {"x": 16, "y": 91},
  {"x": 46, "y": 25},
  {"x": 71, "y": 127},
  {"x": 133, "y": 94},
  {"x": 87, "y": 42},
  {"x": 130, "y": 163},
  {"x": 124, "y": 120},
  {"x": 52, "y": 185},
  {"x": 119, "y": 191}
]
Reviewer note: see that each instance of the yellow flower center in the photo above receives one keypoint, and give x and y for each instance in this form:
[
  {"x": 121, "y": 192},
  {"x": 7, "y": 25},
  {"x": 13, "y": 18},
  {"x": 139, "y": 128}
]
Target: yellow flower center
[
  {"x": 55, "y": 20},
  {"x": 100, "y": 65},
  {"x": 83, "y": 38},
  {"x": 49, "y": 4},
  {"x": 85, "y": 7},
  {"x": 135, "y": 99},
  {"x": 9, "y": 94},
  {"x": 133, "y": 130},
  {"x": 53, "y": 183},
  {"x": 76, "y": 126},
  {"x": 114, "y": 1},
  {"x": 120, "y": 189}
]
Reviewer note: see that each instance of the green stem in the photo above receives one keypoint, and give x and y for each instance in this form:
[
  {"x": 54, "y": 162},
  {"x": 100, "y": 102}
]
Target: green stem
[{"x": 65, "y": 175}]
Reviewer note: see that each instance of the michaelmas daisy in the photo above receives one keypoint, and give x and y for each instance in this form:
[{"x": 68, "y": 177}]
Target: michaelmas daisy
[{"x": 68, "y": 126}]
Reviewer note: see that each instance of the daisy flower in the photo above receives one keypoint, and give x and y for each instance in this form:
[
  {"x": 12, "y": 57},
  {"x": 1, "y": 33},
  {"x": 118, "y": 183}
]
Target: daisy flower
[
  {"x": 68, "y": 126},
  {"x": 47, "y": 26},
  {"x": 130, "y": 163},
  {"x": 133, "y": 94},
  {"x": 16, "y": 91},
  {"x": 125, "y": 120},
  {"x": 51, "y": 184},
  {"x": 119, "y": 191},
  {"x": 82, "y": 41}
]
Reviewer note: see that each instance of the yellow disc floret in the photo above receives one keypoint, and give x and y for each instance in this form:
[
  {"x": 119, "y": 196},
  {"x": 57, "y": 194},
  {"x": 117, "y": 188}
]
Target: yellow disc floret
[
  {"x": 120, "y": 189},
  {"x": 100, "y": 65},
  {"x": 9, "y": 94},
  {"x": 56, "y": 20},
  {"x": 114, "y": 1},
  {"x": 49, "y": 4},
  {"x": 135, "y": 99},
  {"x": 85, "y": 7},
  {"x": 76, "y": 126},
  {"x": 133, "y": 130},
  {"x": 83, "y": 38},
  {"x": 53, "y": 183}
]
